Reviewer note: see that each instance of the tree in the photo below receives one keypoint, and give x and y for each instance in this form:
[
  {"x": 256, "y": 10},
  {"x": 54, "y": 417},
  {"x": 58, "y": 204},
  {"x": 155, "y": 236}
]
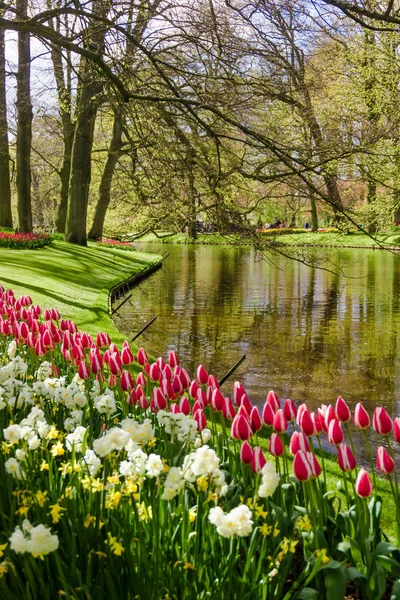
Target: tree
[{"x": 5, "y": 188}]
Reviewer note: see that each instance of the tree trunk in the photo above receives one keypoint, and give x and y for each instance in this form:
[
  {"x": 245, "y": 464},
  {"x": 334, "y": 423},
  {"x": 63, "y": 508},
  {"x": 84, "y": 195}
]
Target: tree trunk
[
  {"x": 192, "y": 195},
  {"x": 24, "y": 126},
  {"x": 314, "y": 214},
  {"x": 5, "y": 188},
  {"x": 114, "y": 154}
]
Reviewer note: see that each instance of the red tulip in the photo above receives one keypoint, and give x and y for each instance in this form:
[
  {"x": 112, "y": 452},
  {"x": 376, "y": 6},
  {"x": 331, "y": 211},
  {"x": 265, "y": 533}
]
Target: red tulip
[
  {"x": 184, "y": 406},
  {"x": 83, "y": 370},
  {"x": 229, "y": 411},
  {"x": 167, "y": 373},
  {"x": 246, "y": 453},
  {"x": 342, "y": 410},
  {"x": 255, "y": 419},
  {"x": 218, "y": 400},
  {"x": 240, "y": 428},
  {"x": 127, "y": 383},
  {"x": 96, "y": 362},
  {"x": 258, "y": 460},
  {"x": 143, "y": 402},
  {"x": 335, "y": 433},
  {"x": 202, "y": 375},
  {"x": 114, "y": 363},
  {"x": 306, "y": 423},
  {"x": 200, "y": 417},
  {"x": 243, "y": 411},
  {"x": 244, "y": 401},
  {"x": 238, "y": 392},
  {"x": 318, "y": 428},
  {"x": 364, "y": 486},
  {"x": 267, "y": 414},
  {"x": 303, "y": 466},
  {"x": 280, "y": 423},
  {"x": 275, "y": 445},
  {"x": 212, "y": 382},
  {"x": 346, "y": 458},
  {"x": 142, "y": 357},
  {"x": 381, "y": 421},
  {"x": 158, "y": 401},
  {"x": 167, "y": 390},
  {"x": 290, "y": 410},
  {"x": 273, "y": 399},
  {"x": 300, "y": 411},
  {"x": 174, "y": 408},
  {"x": 141, "y": 379},
  {"x": 384, "y": 462},
  {"x": 361, "y": 417},
  {"x": 396, "y": 429},
  {"x": 185, "y": 379},
  {"x": 202, "y": 397},
  {"x": 193, "y": 388},
  {"x": 173, "y": 359},
  {"x": 161, "y": 363},
  {"x": 132, "y": 398},
  {"x": 154, "y": 372},
  {"x": 298, "y": 441},
  {"x": 127, "y": 356}
]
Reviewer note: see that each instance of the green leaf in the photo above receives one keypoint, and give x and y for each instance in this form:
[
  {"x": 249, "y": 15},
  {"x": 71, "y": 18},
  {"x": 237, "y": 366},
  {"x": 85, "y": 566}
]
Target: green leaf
[
  {"x": 308, "y": 594},
  {"x": 385, "y": 548},
  {"x": 390, "y": 564},
  {"x": 335, "y": 582},
  {"x": 395, "y": 591},
  {"x": 353, "y": 574}
]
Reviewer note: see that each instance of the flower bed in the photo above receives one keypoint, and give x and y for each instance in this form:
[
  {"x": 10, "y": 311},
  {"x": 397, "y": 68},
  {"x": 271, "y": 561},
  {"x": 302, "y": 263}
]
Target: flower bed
[
  {"x": 108, "y": 243},
  {"x": 26, "y": 241},
  {"x": 120, "y": 479}
]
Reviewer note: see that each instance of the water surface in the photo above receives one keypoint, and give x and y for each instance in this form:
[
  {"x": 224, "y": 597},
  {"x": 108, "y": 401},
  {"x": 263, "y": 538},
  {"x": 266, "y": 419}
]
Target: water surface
[{"x": 309, "y": 334}]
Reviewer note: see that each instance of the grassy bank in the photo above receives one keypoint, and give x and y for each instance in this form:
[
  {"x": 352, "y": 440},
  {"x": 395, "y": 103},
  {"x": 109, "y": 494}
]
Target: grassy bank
[
  {"x": 303, "y": 238},
  {"x": 74, "y": 279}
]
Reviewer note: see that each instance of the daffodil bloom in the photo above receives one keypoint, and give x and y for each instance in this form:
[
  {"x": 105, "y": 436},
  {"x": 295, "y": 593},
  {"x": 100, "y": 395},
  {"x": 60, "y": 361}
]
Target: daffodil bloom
[{"x": 56, "y": 512}]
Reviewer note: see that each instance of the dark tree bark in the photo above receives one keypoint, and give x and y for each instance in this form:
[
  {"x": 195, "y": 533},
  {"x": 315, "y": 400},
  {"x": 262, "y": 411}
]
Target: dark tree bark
[
  {"x": 24, "y": 125},
  {"x": 5, "y": 188},
  {"x": 114, "y": 154}
]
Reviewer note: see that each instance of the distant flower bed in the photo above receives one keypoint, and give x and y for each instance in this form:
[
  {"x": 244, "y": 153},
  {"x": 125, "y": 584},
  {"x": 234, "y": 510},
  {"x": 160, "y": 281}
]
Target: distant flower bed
[
  {"x": 109, "y": 243},
  {"x": 283, "y": 231},
  {"x": 26, "y": 241}
]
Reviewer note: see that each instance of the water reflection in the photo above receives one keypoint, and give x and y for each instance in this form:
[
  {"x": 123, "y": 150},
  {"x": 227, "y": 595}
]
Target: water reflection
[{"x": 309, "y": 334}]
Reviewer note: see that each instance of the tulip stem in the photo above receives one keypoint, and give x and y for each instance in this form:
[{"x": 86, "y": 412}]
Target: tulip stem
[
  {"x": 321, "y": 453},
  {"x": 371, "y": 458},
  {"x": 350, "y": 438},
  {"x": 396, "y": 488}
]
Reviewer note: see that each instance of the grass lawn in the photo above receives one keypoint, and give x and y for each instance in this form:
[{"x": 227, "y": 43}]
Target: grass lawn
[{"x": 74, "y": 279}]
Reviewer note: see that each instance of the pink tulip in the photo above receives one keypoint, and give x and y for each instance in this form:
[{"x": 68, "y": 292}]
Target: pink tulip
[
  {"x": 335, "y": 433},
  {"x": 184, "y": 406},
  {"x": 255, "y": 419},
  {"x": 303, "y": 466},
  {"x": 212, "y": 382},
  {"x": 202, "y": 375},
  {"x": 346, "y": 458},
  {"x": 167, "y": 373},
  {"x": 244, "y": 401},
  {"x": 217, "y": 400},
  {"x": 381, "y": 421},
  {"x": 154, "y": 372},
  {"x": 240, "y": 428},
  {"x": 174, "y": 408},
  {"x": 193, "y": 389},
  {"x": 158, "y": 401},
  {"x": 161, "y": 363},
  {"x": 143, "y": 402},
  {"x": 318, "y": 428},
  {"x": 364, "y": 486},
  {"x": 275, "y": 445},
  {"x": 361, "y": 417},
  {"x": 258, "y": 460},
  {"x": 273, "y": 399},
  {"x": 246, "y": 453},
  {"x": 384, "y": 462},
  {"x": 342, "y": 410},
  {"x": 229, "y": 411},
  {"x": 83, "y": 370},
  {"x": 298, "y": 441},
  {"x": 201, "y": 396},
  {"x": 238, "y": 392},
  {"x": 96, "y": 362},
  {"x": 243, "y": 411},
  {"x": 132, "y": 398},
  {"x": 290, "y": 410},
  {"x": 142, "y": 357},
  {"x": 306, "y": 423},
  {"x": 185, "y": 379},
  {"x": 173, "y": 359},
  {"x": 166, "y": 388},
  {"x": 280, "y": 423},
  {"x": 396, "y": 429},
  {"x": 127, "y": 357},
  {"x": 114, "y": 363}
]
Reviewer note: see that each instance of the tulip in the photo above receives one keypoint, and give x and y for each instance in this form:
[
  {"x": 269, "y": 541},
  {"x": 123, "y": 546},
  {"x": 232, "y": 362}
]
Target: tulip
[
  {"x": 346, "y": 458},
  {"x": 85, "y": 340},
  {"x": 173, "y": 359},
  {"x": 255, "y": 419},
  {"x": 384, "y": 462},
  {"x": 303, "y": 468},
  {"x": 197, "y": 406},
  {"x": 127, "y": 383},
  {"x": 114, "y": 363},
  {"x": 240, "y": 428},
  {"x": 243, "y": 411},
  {"x": 396, "y": 429},
  {"x": 112, "y": 380},
  {"x": 298, "y": 441},
  {"x": 258, "y": 460},
  {"x": 40, "y": 350},
  {"x": 238, "y": 392},
  {"x": 201, "y": 375},
  {"x": 335, "y": 433},
  {"x": 275, "y": 445},
  {"x": 184, "y": 406},
  {"x": 217, "y": 400},
  {"x": 202, "y": 397},
  {"x": 161, "y": 363},
  {"x": 244, "y": 401},
  {"x": 306, "y": 423},
  {"x": 300, "y": 412},
  {"x": 132, "y": 398},
  {"x": 267, "y": 414},
  {"x": 361, "y": 417},
  {"x": 200, "y": 417},
  {"x": 193, "y": 388},
  {"x": 364, "y": 486},
  {"x": 96, "y": 362},
  {"x": 47, "y": 339},
  {"x": 318, "y": 428},
  {"x": 228, "y": 410},
  {"x": 154, "y": 372},
  {"x": 246, "y": 453},
  {"x": 83, "y": 370},
  {"x": 167, "y": 390},
  {"x": 143, "y": 403},
  {"x": 167, "y": 373},
  {"x": 381, "y": 421},
  {"x": 141, "y": 380},
  {"x": 174, "y": 408},
  {"x": 142, "y": 357},
  {"x": 290, "y": 410},
  {"x": 273, "y": 399},
  {"x": 185, "y": 379},
  {"x": 158, "y": 401},
  {"x": 127, "y": 356},
  {"x": 177, "y": 385},
  {"x": 280, "y": 423},
  {"x": 342, "y": 410},
  {"x": 212, "y": 382}
]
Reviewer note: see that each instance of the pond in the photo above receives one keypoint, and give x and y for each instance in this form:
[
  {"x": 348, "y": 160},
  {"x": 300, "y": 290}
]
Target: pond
[{"x": 307, "y": 333}]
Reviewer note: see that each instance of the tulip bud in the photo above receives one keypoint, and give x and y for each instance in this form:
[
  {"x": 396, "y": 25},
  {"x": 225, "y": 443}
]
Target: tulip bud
[
  {"x": 290, "y": 410},
  {"x": 361, "y": 417},
  {"x": 335, "y": 433},
  {"x": 202, "y": 375},
  {"x": 127, "y": 383},
  {"x": 193, "y": 389},
  {"x": 267, "y": 414},
  {"x": 306, "y": 423},
  {"x": 275, "y": 445},
  {"x": 112, "y": 380},
  {"x": 127, "y": 357},
  {"x": 229, "y": 411},
  {"x": 217, "y": 400},
  {"x": 142, "y": 357},
  {"x": 384, "y": 462},
  {"x": 212, "y": 382},
  {"x": 258, "y": 460},
  {"x": 255, "y": 419},
  {"x": 298, "y": 441},
  {"x": 174, "y": 409},
  {"x": 132, "y": 398},
  {"x": 273, "y": 399},
  {"x": 154, "y": 372},
  {"x": 184, "y": 406},
  {"x": 115, "y": 364},
  {"x": 173, "y": 359},
  {"x": 167, "y": 390},
  {"x": 177, "y": 385},
  {"x": 246, "y": 453},
  {"x": 240, "y": 428},
  {"x": 83, "y": 370},
  {"x": 364, "y": 486},
  {"x": 280, "y": 423},
  {"x": 346, "y": 458},
  {"x": 158, "y": 401},
  {"x": 381, "y": 421},
  {"x": 318, "y": 428},
  {"x": 238, "y": 392},
  {"x": 141, "y": 379},
  {"x": 200, "y": 417},
  {"x": 303, "y": 468},
  {"x": 396, "y": 429},
  {"x": 185, "y": 379},
  {"x": 342, "y": 410},
  {"x": 201, "y": 396},
  {"x": 244, "y": 401}
]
